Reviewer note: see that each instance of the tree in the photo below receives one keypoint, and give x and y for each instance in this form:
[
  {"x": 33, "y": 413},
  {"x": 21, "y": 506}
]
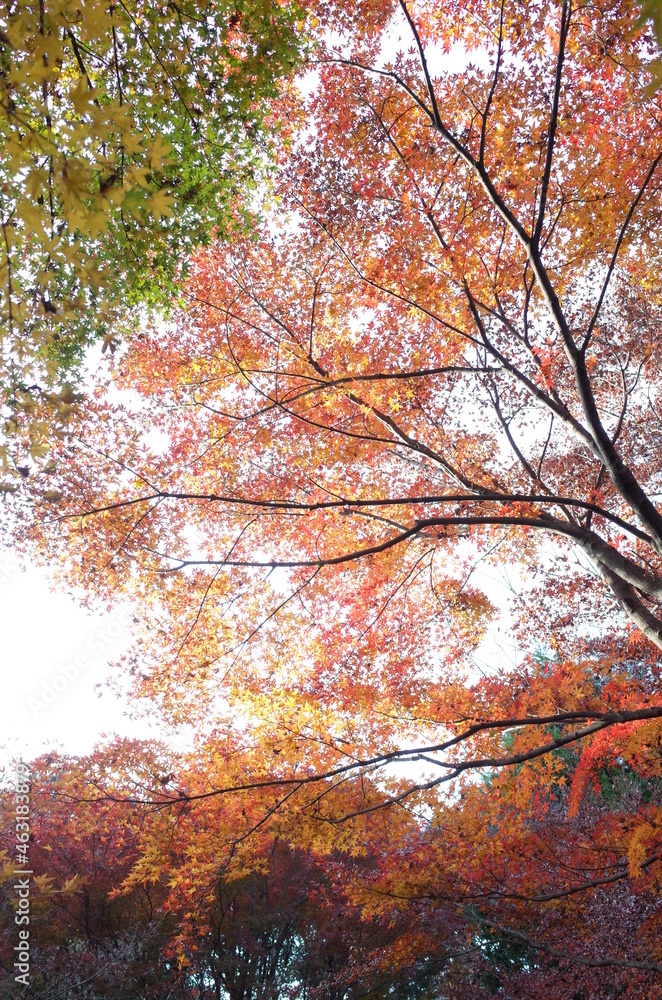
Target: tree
[
  {"x": 172, "y": 896},
  {"x": 128, "y": 132},
  {"x": 405, "y": 378},
  {"x": 554, "y": 354},
  {"x": 126, "y": 905},
  {"x": 440, "y": 349}
]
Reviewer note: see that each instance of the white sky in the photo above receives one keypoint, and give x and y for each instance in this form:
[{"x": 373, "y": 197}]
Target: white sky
[{"x": 55, "y": 658}]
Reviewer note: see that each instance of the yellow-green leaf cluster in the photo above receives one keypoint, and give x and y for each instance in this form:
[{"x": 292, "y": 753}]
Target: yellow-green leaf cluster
[{"x": 128, "y": 132}]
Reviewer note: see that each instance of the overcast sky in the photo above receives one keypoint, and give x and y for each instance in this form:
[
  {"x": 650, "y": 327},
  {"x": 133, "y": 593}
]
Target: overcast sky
[{"x": 56, "y": 658}]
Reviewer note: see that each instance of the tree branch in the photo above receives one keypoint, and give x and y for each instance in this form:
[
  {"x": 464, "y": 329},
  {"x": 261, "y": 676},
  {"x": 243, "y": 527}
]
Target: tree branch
[
  {"x": 566, "y": 8},
  {"x": 594, "y": 963}
]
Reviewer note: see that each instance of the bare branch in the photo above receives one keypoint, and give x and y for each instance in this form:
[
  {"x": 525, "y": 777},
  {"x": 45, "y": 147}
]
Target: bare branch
[
  {"x": 490, "y": 96},
  {"x": 566, "y": 8}
]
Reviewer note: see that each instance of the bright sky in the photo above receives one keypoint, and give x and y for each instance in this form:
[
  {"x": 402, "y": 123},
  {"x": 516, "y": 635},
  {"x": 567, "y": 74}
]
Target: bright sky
[{"x": 54, "y": 657}]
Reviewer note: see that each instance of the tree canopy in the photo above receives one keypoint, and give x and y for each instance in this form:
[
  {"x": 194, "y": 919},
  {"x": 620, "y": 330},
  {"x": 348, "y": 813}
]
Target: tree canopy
[
  {"x": 436, "y": 350},
  {"x": 491, "y": 896},
  {"x": 130, "y": 133}
]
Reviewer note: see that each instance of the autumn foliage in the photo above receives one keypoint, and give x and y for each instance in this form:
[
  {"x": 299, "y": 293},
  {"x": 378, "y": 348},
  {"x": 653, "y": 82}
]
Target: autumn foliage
[
  {"x": 130, "y": 132},
  {"x": 201, "y": 894},
  {"x": 436, "y": 352}
]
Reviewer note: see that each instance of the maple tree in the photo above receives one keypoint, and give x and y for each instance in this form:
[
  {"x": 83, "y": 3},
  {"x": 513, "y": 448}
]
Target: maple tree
[
  {"x": 109, "y": 916},
  {"x": 129, "y": 132},
  {"x": 178, "y": 899},
  {"x": 439, "y": 349}
]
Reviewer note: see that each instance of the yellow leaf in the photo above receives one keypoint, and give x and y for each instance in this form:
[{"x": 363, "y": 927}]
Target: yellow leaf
[{"x": 637, "y": 850}]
